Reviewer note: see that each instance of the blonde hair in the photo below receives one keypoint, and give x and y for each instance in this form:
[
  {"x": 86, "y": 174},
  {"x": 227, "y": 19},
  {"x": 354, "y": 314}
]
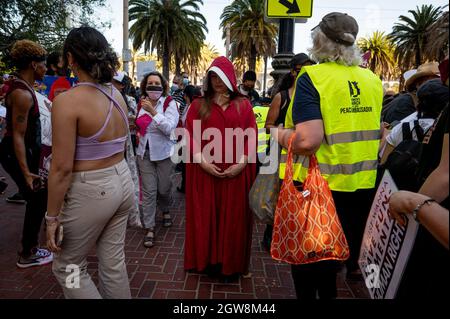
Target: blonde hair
[
  {"x": 24, "y": 52},
  {"x": 326, "y": 50}
]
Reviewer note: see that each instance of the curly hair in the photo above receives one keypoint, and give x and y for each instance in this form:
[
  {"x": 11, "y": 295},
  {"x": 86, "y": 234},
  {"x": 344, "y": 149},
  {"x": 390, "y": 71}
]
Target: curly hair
[
  {"x": 92, "y": 53},
  {"x": 164, "y": 83},
  {"x": 24, "y": 52},
  {"x": 326, "y": 50}
]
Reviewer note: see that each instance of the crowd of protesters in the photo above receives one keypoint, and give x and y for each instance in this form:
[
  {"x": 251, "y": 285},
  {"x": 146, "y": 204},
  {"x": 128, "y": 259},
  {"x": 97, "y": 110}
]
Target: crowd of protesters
[{"x": 96, "y": 157}]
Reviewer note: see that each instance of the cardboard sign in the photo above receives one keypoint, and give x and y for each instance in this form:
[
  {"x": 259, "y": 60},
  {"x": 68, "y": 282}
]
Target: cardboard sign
[{"x": 386, "y": 245}]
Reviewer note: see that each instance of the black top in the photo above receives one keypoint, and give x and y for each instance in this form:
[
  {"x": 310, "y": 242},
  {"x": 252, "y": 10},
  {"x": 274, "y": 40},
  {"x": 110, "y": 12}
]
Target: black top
[
  {"x": 398, "y": 108},
  {"x": 284, "y": 105},
  {"x": 432, "y": 152},
  {"x": 178, "y": 96},
  {"x": 426, "y": 275},
  {"x": 253, "y": 96},
  {"x": 306, "y": 105},
  {"x": 33, "y": 132}
]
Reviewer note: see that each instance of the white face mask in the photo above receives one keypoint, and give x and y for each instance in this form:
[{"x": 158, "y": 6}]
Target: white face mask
[
  {"x": 154, "y": 92},
  {"x": 154, "y": 95}
]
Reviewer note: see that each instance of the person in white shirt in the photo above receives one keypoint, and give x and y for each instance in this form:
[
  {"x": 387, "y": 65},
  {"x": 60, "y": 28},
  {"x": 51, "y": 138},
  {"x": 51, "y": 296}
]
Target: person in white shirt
[
  {"x": 433, "y": 97},
  {"x": 157, "y": 118}
]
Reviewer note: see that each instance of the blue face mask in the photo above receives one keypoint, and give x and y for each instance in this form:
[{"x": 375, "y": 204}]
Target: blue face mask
[
  {"x": 185, "y": 81},
  {"x": 174, "y": 87}
]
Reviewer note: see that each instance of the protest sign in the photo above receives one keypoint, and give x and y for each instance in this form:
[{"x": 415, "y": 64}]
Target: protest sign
[{"x": 386, "y": 245}]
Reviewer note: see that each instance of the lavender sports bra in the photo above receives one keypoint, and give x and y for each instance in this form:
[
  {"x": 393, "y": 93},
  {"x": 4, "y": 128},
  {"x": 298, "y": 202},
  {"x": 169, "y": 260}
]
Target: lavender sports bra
[{"x": 90, "y": 148}]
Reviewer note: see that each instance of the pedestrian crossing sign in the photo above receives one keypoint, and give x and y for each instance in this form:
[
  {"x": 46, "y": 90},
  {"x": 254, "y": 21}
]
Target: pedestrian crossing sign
[{"x": 289, "y": 9}]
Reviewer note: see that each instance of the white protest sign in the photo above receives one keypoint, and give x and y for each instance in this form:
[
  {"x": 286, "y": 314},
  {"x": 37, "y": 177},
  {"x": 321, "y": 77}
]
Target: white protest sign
[
  {"x": 144, "y": 67},
  {"x": 386, "y": 245}
]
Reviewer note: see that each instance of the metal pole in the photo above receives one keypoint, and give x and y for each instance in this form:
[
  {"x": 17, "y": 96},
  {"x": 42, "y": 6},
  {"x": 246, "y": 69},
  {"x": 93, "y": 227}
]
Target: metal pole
[
  {"x": 228, "y": 41},
  {"x": 126, "y": 51},
  {"x": 285, "y": 52},
  {"x": 286, "y": 36},
  {"x": 265, "y": 77}
]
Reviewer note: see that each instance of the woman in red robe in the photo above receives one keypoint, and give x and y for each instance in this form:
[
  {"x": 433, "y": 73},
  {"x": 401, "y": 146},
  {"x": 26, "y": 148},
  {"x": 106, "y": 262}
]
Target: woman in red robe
[{"x": 218, "y": 218}]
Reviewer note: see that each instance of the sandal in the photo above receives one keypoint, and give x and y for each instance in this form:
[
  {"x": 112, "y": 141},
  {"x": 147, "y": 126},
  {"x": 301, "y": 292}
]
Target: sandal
[
  {"x": 149, "y": 241},
  {"x": 167, "y": 220}
]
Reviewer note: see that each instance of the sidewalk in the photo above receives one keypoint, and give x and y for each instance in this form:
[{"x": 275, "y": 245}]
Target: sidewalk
[{"x": 155, "y": 273}]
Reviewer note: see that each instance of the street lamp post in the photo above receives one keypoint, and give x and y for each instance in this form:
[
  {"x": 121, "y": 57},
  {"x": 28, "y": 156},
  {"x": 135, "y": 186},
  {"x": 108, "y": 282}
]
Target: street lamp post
[
  {"x": 285, "y": 52},
  {"x": 126, "y": 54}
]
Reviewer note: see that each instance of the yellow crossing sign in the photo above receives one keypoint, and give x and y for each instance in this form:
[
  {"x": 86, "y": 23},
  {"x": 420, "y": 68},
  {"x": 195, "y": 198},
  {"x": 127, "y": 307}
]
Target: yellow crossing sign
[{"x": 289, "y": 8}]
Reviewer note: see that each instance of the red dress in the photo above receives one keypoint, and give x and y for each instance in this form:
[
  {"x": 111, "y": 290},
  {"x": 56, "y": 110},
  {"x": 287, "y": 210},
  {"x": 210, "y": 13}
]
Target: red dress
[{"x": 218, "y": 218}]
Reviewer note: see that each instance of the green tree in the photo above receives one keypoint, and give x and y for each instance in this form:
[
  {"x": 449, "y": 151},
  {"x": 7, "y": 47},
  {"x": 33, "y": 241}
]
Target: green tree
[
  {"x": 44, "y": 21},
  {"x": 208, "y": 53},
  {"x": 437, "y": 35},
  {"x": 252, "y": 36},
  {"x": 410, "y": 35},
  {"x": 174, "y": 28},
  {"x": 382, "y": 61}
]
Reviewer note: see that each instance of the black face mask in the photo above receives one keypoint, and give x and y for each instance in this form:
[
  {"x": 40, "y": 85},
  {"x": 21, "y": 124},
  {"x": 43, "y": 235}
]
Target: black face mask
[
  {"x": 154, "y": 88},
  {"x": 248, "y": 89}
]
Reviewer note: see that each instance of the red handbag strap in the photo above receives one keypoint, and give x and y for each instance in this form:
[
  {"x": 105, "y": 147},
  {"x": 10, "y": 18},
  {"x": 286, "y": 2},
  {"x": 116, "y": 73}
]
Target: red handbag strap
[
  {"x": 313, "y": 164},
  {"x": 289, "y": 172}
]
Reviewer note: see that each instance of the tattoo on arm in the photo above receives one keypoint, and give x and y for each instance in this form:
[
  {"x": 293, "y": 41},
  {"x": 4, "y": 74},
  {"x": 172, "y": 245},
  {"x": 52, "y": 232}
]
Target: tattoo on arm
[{"x": 20, "y": 119}]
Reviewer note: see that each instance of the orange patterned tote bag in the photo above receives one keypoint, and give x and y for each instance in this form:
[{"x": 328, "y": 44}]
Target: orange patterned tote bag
[{"x": 306, "y": 225}]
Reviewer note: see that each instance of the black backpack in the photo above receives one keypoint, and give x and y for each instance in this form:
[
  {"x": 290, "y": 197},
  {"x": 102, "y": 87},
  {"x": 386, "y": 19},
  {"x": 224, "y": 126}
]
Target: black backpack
[{"x": 404, "y": 161}]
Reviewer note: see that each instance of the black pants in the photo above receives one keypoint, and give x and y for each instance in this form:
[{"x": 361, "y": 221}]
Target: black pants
[
  {"x": 36, "y": 201},
  {"x": 183, "y": 176},
  {"x": 315, "y": 280},
  {"x": 426, "y": 276},
  {"x": 320, "y": 278}
]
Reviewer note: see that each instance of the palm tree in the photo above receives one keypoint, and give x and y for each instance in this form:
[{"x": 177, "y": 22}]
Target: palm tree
[
  {"x": 174, "y": 28},
  {"x": 252, "y": 36},
  {"x": 198, "y": 70},
  {"x": 437, "y": 35},
  {"x": 381, "y": 48},
  {"x": 410, "y": 35},
  {"x": 208, "y": 53}
]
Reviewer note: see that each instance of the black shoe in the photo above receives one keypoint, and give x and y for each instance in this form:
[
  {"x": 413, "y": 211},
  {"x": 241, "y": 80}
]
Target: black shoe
[
  {"x": 181, "y": 190},
  {"x": 267, "y": 238},
  {"x": 39, "y": 257},
  {"x": 167, "y": 220},
  {"x": 229, "y": 279},
  {"x": 266, "y": 245},
  {"x": 16, "y": 199},
  {"x": 3, "y": 186},
  {"x": 213, "y": 271}
]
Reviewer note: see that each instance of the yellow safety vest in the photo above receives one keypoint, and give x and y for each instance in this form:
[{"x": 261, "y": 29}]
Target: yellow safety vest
[
  {"x": 350, "y": 103},
  {"x": 263, "y": 138}
]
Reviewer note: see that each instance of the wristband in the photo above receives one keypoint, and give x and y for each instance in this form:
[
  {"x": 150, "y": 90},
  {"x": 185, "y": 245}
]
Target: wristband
[
  {"x": 417, "y": 209},
  {"x": 50, "y": 218}
]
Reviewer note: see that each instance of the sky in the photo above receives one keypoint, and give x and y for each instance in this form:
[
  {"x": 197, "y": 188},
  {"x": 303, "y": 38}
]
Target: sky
[{"x": 378, "y": 15}]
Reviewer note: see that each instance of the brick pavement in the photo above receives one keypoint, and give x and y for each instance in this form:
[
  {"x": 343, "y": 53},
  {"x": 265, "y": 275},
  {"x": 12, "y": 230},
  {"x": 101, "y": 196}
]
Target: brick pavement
[{"x": 155, "y": 273}]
